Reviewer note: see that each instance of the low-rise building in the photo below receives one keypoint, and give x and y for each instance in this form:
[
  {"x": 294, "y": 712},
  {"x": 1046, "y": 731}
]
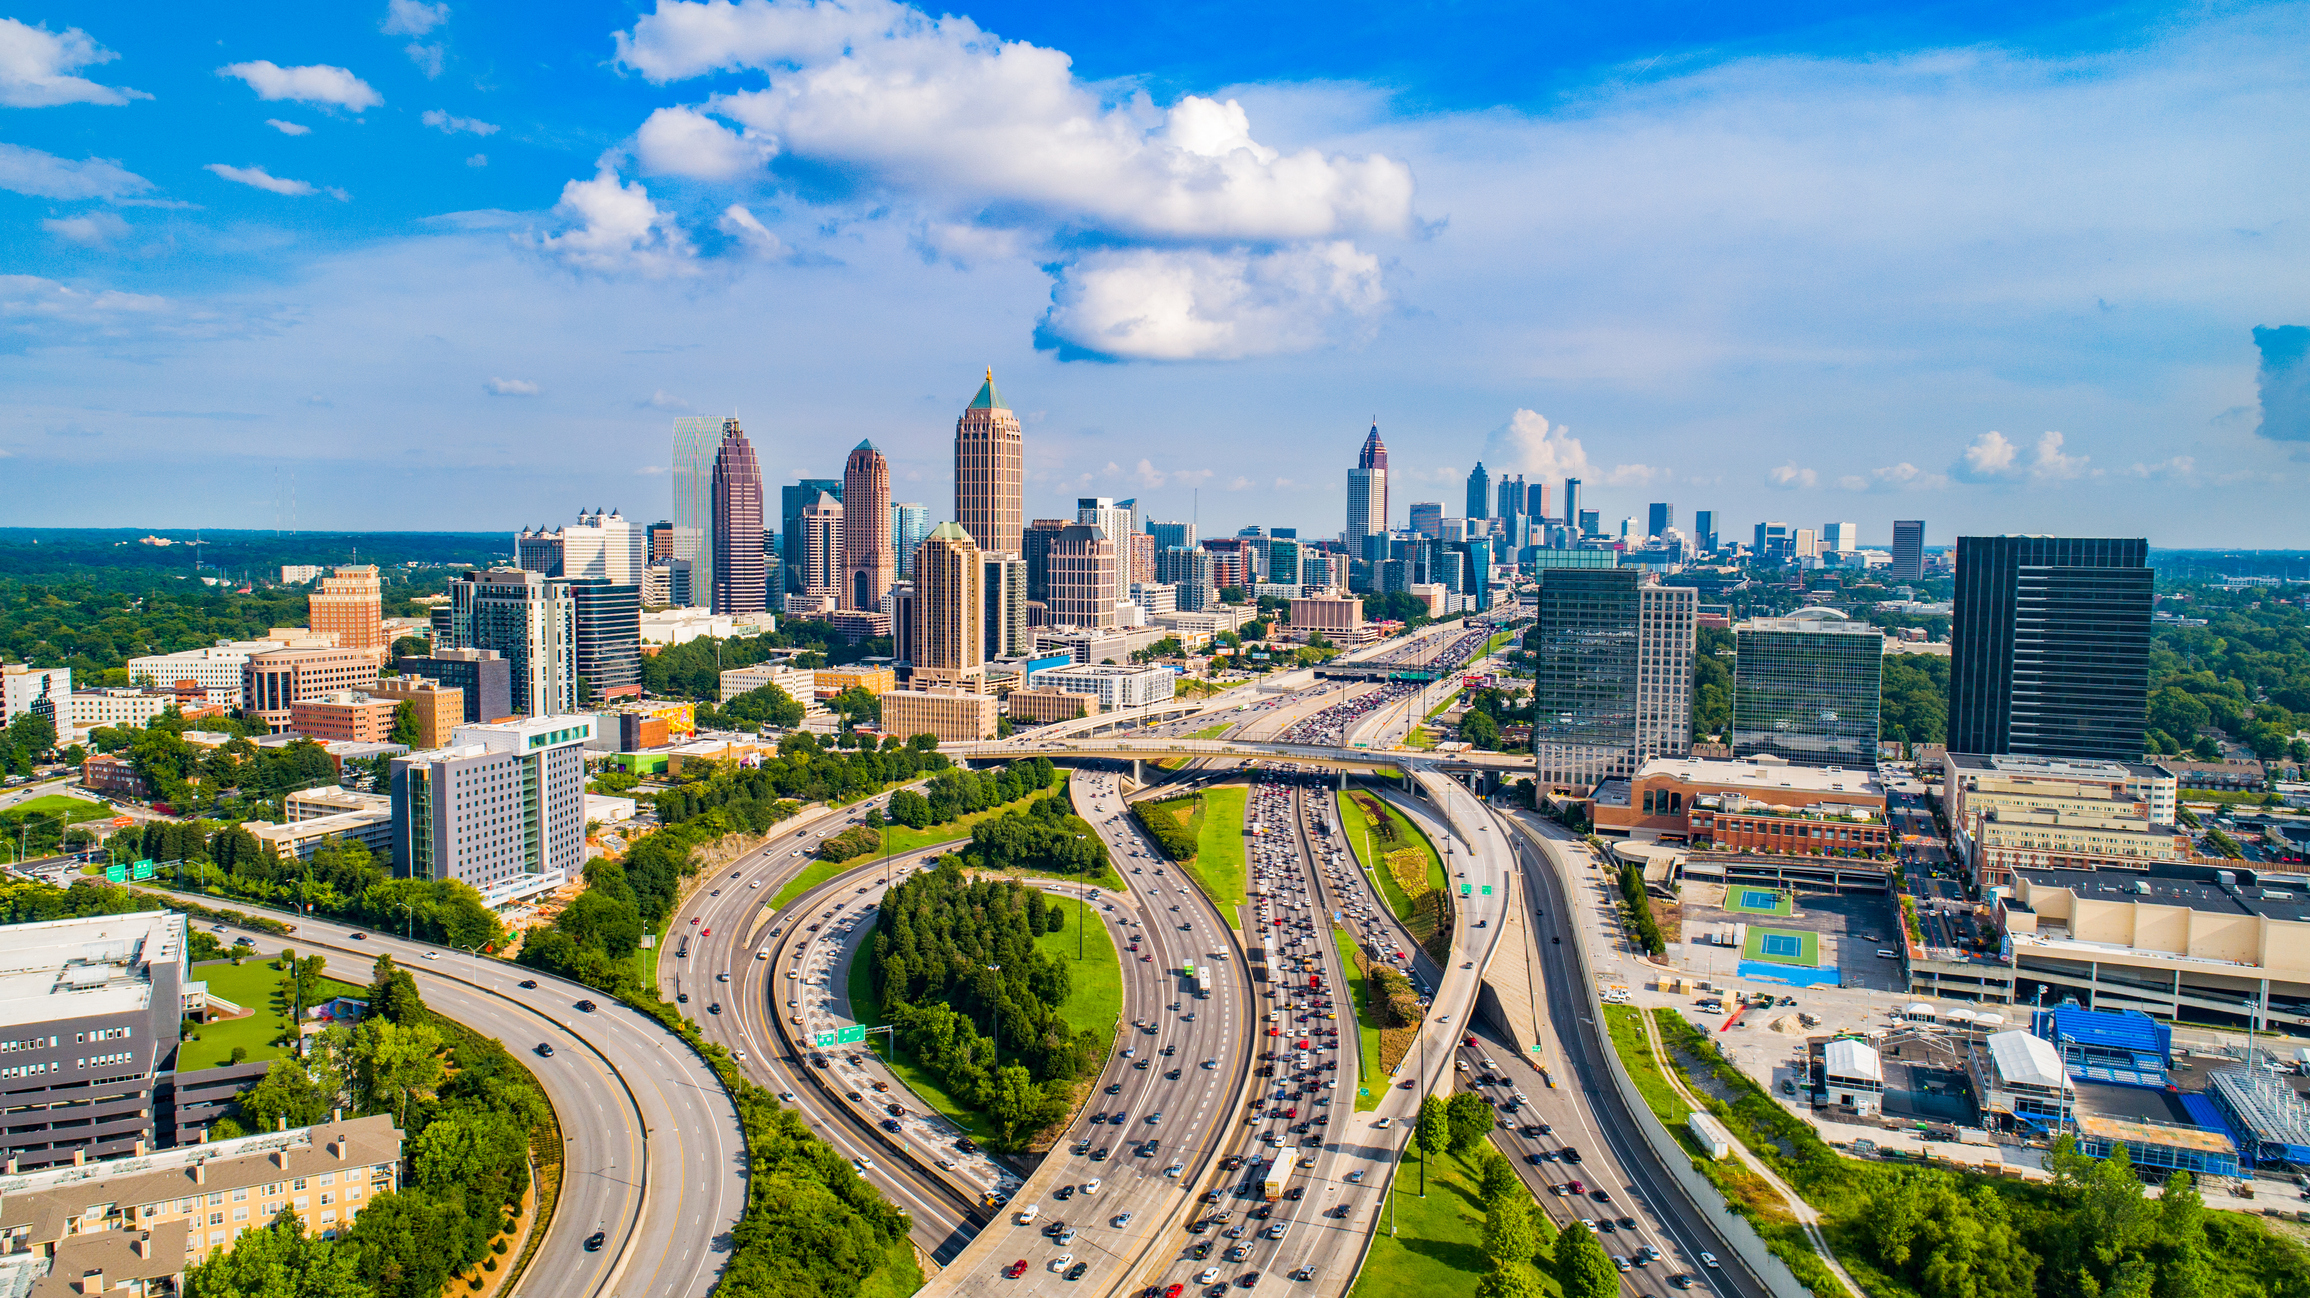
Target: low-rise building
[
  {"x": 651, "y": 723},
  {"x": 299, "y": 839},
  {"x": 2065, "y": 813},
  {"x": 116, "y": 707},
  {"x": 1036, "y": 707},
  {"x": 1335, "y": 616},
  {"x": 952, "y": 715},
  {"x": 275, "y": 681},
  {"x": 439, "y": 708},
  {"x": 106, "y": 773},
  {"x": 1116, "y": 687},
  {"x": 798, "y": 682},
  {"x": 1748, "y": 805},
  {"x": 331, "y": 800},
  {"x": 680, "y": 625},
  {"x": 350, "y": 716},
  {"x": 826, "y": 682},
  {"x": 2020, "y": 1081},
  {"x": 1853, "y": 1077}
]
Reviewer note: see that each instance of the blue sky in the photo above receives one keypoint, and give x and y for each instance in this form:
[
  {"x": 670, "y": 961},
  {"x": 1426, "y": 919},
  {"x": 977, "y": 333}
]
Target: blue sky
[{"x": 449, "y": 266}]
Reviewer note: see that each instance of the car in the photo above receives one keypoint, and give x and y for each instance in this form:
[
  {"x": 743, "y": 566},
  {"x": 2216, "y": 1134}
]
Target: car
[
  {"x": 1015, "y": 1269},
  {"x": 594, "y": 1241},
  {"x": 1207, "y": 1275},
  {"x": 358, "y": 937},
  {"x": 1680, "y": 1281},
  {"x": 1250, "y": 1279},
  {"x": 1600, "y": 1194},
  {"x": 528, "y": 984},
  {"x": 890, "y": 1125},
  {"x": 1174, "y": 1291},
  {"x": 1356, "y": 1177},
  {"x": 1063, "y": 1193},
  {"x": 714, "y": 1007},
  {"x": 433, "y": 955},
  {"x": 1571, "y": 1154},
  {"x": 1708, "y": 1260},
  {"x": 724, "y": 976},
  {"x": 1175, "y": 1170},
  {"x": 585, "y": 1007},
  {"x": 1092, "y": 1186},
  {"x": 1061, "y": 1262},
  {"x": 1120, "y": 1220}
]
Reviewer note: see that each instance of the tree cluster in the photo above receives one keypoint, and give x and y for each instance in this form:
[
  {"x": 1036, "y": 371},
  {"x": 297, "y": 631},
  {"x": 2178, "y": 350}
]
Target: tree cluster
[
  {"x": 765, "y": 705},
  {"x": 693, "y": 669},
  {"x": 953, "y": 794},
  {"x": 803, "y": 771},
  {"x": 341, "y": 879},
  {"x": 1043, "y": 835},
  {"x": 950, "y": 953},
  {"x": 1169, "y": 830},
  {"x": 234, "y": 781},
  {"x": 1636, "y": 905}
]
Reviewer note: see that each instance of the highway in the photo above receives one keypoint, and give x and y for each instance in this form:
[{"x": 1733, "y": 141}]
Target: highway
[{"x": 654, "y": 1156}]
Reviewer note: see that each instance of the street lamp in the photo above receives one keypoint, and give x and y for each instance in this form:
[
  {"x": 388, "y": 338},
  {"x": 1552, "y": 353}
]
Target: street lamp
[
  {"x": 1082, "y": 911},
  {"x": 409, "y": 925},
  {"x": 998, "y": 1017}
]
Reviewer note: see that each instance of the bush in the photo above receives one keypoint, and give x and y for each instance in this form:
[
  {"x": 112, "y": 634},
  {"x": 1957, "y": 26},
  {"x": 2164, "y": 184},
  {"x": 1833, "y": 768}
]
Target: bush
[
  {"x": 856, "y": 841},
  {"x": 1164, "y": 824}
]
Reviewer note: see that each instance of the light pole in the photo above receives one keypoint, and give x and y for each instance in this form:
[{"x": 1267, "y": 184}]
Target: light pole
[
  {"x": 409, "y": 925},
  {"x": 998, "y": 1016},
  {"x": 1082, "y": 912}
]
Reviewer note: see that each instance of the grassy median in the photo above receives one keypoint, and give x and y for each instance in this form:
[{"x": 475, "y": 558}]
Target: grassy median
[
  {"x": 1219, "y": 860},
  {"x": 1371, "y": 1075},
  {"x": 1438, "y": 1246}
]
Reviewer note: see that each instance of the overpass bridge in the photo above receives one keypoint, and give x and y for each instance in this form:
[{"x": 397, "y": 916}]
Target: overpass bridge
[{"x": 1477, "y": 771}]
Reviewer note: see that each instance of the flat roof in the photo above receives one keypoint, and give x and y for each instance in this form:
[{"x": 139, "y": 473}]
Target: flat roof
[
  {"x": 2027, "y": 1060},
  {"x": 2113, "y": 1030},
  {"x": 1846, "y": 1057},
  {"x": 1744, "y": 773},
  {"x": 2196, "y": 887},
  {"x": 2057, "y": 768},
  {"x": 103, "y": 962},
  {"x": 2142, "y": 1133},
  {"x": 1808, "y": 625}
]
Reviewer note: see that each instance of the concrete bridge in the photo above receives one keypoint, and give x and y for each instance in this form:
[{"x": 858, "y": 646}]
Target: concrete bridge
[{"x": 1479, "y": 772}]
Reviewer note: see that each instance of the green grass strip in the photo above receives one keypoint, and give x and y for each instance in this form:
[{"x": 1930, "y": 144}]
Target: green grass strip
[
  {"x": 51, "y": 805},
  {"x": 898, "y": 1276},
  {"x": 253, "y": 985},
  {"x": 1095, "y": 995},
  {"x": 1372, "y": 1083},
  {"x": 1219, "y": 862},
  {"x": 1437, "y": 1245},
  {"x": 1628, "y": 1041}
]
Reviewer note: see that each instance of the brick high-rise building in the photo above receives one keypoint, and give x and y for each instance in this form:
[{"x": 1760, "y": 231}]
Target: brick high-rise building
[
  {"x": 439, "y": 709},
  {"x": 989, "y": 472},
  {"x": 740, "y": 579},
  {"x": 351, "y": 605},
  {"x": 350, "y": 716},
  {"x": 869, "y": 561},
  {"x": 949, "y": 641}
]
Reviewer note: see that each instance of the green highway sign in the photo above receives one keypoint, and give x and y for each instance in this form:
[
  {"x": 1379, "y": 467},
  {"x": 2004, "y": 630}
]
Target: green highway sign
[
  {"x": 141, "y": 870},
  {"x": 115, "y": 873},
  {"x": 1364, "y": 1092},
  {"x": 824, "y": 1038},
  {"x": 1487, "y": 890},
  {"x": 1464, "y": 890},
  {"x": 853, "y": 1034}
]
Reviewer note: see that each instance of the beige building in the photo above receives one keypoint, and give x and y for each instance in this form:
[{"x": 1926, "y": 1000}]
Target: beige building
[
  {"x": 1328, "y": 612},
  {"x": 953, "y": 715},
  {"x": 117, "y": 707},
  {"x": 1037, "y": 707},
  {"x": 1082, "y": 579},
  {"x": 949, "y": 630},
  {"x": 827, "y": 682},
  {"x": 148, "y": 1218},
  {"x": 440, "y": 710},
  {"x": 273, "y": 683},
  {"x": 2060, "y": 813},
  {"x": 869, "y": 560},
  {"x": 351, "y": 606},
  {"x": 1748, "y": 805},
  {"x": 371, "y": 827},
  {"x": 990, "y": 473},
  {"x": 352, "y": 716}
]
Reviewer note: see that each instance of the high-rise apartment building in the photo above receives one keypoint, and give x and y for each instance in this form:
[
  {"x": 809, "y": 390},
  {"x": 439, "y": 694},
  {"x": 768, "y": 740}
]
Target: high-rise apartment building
[
  {"x": 740, "y": 583},
  {"x": 1367, "y": 496},
  {"x": 909, "y": 524},
  {"x": 2049, "y": 647},
  {"x": 538, "y": 550},
  {"x": 482, "y": 678},
  {"x": 989, "y": 472},
  {"x": 1909, "y": 552},
  {"x": 1114, "y": 522},
  {"x": 531, "y": 621},
  {"x": 1660, "y": 518},
  {"x": 609, "y": 639},
  {"x": 350, "y": 606},
  {"x": 1142, "y": 557},
  {"x": 696, "y": 441},
  {"x": 1082, "y": 579},
  {"x": 792, "y": 500},
  {"x": 869, "y": 561},
  {"x": 1168, "y": 535},
  {"x": 820, "y": 569},
  {"x": 502, "y": 808},
  {"x": 606, "y": 547},
  {"x": 1840, "y": 538},
  {"x": 1004, "y": 581},
  {"x": 1613, "y": 676},
  {"x": 1479, "y": 492},
  {"x": 949, "y": 641},
  {"x": 661, "y": 541},
  {"x": 1807, "y": 690},
  {"x": 1037, "y": 541}
]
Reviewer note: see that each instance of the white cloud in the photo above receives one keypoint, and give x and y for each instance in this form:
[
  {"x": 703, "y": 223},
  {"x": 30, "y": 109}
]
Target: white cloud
[
  {"x": 759, "y": 239},
  {"x": 511, "y": 388},
  {"x": 478, "y": 160},
  {"x": 1640, "y": 475},
  {"x": 2181, "y": 468},
  {"x": 1990, "y": 456},
  {"x": 288, "y": 128},
  {"x": 448, "y": 125},
  {"x": 664, "y": 400},
  {"x": 686, "y": 142},
  {"x": 1189, "y": 304},
  {"x": 1793, "y": 475},
  {"x": 315, "y": 83},
  {"x": 427, "y": 57},
  {"x": 33, "y": 307},
  {"x": 619, "y": 229},
  {"x": 1993, "y": 457},
  {"x": 412, "y": 17},
  {"x": 2052, "y": 463},
  {"x": 1898, "y": 477},
  {"x": 44, "y": 175},
  {"x": 262, "y": 179},
  {"x": 969, "y": 246},
  {"x": 36, "y": 63},
  {"x": 1542, "y": 452},
  {"x": 91, "y": 228}
]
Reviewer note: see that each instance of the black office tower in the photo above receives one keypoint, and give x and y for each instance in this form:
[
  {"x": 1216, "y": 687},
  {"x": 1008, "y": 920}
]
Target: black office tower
[{"x": 2050, "y": 647}]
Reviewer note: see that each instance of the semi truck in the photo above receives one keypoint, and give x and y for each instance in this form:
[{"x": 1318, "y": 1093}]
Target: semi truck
[{"x": 1272, "y": 1187}]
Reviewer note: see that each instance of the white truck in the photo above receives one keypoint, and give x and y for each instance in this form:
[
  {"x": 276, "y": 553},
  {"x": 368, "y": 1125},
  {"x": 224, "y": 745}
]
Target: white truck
[{"x": 1203, "y": 982}]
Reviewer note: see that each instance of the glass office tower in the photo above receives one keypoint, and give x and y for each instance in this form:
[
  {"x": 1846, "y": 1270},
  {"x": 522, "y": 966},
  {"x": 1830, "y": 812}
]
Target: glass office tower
[
  {"x": 2050, "y": 647},
  {"x": 1807, "y": 690},
  {"x": 1584, "y": 679},
  {"x": 609, "y": 639}
]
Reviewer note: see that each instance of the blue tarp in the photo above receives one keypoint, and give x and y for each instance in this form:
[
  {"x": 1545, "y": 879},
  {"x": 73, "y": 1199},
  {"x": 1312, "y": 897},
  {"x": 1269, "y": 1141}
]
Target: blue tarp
[{"x": 2205, "y": 1117}]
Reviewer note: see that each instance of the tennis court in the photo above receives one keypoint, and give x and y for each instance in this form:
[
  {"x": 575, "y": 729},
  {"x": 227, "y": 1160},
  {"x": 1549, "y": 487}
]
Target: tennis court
[
  {"x": 1760, "y": 901},
  {"x": 1782, "y": 946}
]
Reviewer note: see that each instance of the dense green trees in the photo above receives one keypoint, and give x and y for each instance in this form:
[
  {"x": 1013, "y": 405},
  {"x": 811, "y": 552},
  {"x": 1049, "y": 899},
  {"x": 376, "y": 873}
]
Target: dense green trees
[
  {"x": 1164, "y": 823},
  {"x": 803, "y": 771},
  {"x": 1581, "y": 1266},
  {"x": 1043, "y": 835},
  {"x": 1712, "y": 683},
  {"x": 766, "y": 705},
  {"x": 342, "y": 879},
  {"x": 278, "y": 1260},
  {"x": 812, "y": 1227},
  {"x": 1468, "y": 1120},
  {"x": 949, "y": 954},
  {"x": 955, "y": 793},
  {"x": 1913, "y": 696}
]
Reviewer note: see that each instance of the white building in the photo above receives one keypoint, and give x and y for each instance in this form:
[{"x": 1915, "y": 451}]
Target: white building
[
  {"x": 1853, "y": 1076},
  {"x": 297, "y": 574},
  {"x": 681, "y": 625},
  {"x": 1114, "y": 686},
  {"x": 606, "y": 546},
  {"x": 1155, "y": 600},
  {"x": 798, "y": 683},
  {"x": 44, "y": 691},
  {"x": 92, "y": 708},
  {"x": 503, "y": 808},
  {"x": 215, "y": 668}
]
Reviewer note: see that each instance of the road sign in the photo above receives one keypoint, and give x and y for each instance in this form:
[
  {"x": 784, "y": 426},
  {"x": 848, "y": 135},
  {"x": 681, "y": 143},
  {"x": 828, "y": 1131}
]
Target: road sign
[
  {"x": 852, "y": 1035},
  {"x": 1464, "y": 890},
  {"x": 1487, "y": 890},
  {"x": 825, "y": 1038},
  {"x": 141, "y": 870},
  {"x": 115, "y": 873}
]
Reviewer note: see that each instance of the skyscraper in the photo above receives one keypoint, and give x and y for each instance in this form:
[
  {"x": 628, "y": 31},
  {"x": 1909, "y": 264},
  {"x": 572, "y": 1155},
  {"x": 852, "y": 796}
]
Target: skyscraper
[
  {"x": 1612, "y": 686},
  {"x": 1427, "y": 517},
  {"x": 1367, "y": 502},
  {"x": 531, "y": 621},
  {"x": 820, "y": 569},
  {"x": 1005, "y": 589},
  {"x": 868, "y": 562},
  {"x": 609, "y": 638},
  {"x": 1661, "y": 518},
  {"x": 1082, "y": 578},
  {"x": 1479, "y": 492},
  {"x": 989, "y": 472},
  {"x": 792, "y": 500},
  {"x": 1572, "y": 505},
  {"x": 692, "y": 478},
  {"x": 1909, "y": 552},
  {"x": 602, "y": 544},
  {"x": 1037, "y": 541},
  {"x": 350, "y": 603},
  {"x": 1114, "y": 522},
  {"x": 1704, "y": 530},
  {"x": 740, "y": 584},
  {"x": 1807, "y": 690},
  {"x": 909, "y": 524},
  {"x": 661, "y": 541},
  {"x": 949, "y": 641},
  {"x": 2049, "y": 647},
  {"x": 1168, "y": 535},
  {"x": 1840, "y": 538}
]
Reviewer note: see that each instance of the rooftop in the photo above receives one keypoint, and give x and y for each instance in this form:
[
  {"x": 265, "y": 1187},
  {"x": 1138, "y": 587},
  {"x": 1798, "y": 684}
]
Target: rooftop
[
  {"x": 1810, "y": 621},
  {"x": 28, "y": 1197},
  {"x": 2057, "y": 768},
  {"x": 1846, "y": 1057},
  {"x": 103, "y": 963},
  {"x": 2143, "y": 1133},
  {"x": 1763, "y": 774},
  {"x": 988, "y": 398},
  {"x": 2027, "y": 1061},
  {"x": 2202, "y": 888}
]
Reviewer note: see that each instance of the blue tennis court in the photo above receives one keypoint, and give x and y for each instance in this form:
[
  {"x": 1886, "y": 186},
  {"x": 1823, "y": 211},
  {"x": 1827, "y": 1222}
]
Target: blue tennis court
[
  {"x": 1783, "y": 945},
  {"x": 1760, "y": 901}
]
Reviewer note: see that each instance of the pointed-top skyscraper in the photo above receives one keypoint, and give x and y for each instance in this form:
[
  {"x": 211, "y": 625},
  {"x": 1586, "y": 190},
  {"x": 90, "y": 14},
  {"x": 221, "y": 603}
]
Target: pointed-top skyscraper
[
  {"x": 989, "y": 472},
  {"x": 1367, "y": 503},
  {"x": 869, "y": 561},
  {"x": 740, "y": 579}
]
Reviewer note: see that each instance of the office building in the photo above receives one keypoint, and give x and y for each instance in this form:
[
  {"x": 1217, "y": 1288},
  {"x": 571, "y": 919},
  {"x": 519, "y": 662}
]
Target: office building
[
  {"x": 989, "y": 471},
  {"x": 1142, "y": 557},
  {"x": 948, "y": 645},
  {"x": 951, "y": 715},
  {"x": 1170, "y": 535},
  {"x": 537, "y": 550},
  {"x": 696, "y": 441},
  {"x": 1037, "y": 539},
  {"x": 114, "y": 708},
  {"x": 740, "y": 583},
  {"x": 1840, "y": 538},
  {"x": 1154, "y": 599},
  {"x": 909, "y": 524},
  {"x": 502, "y": 808},
  {"x": 666, "y": 583},
  {"x": 1115, "y": 686},
  {"x": 350, "y": 606},
  {"x": 89, "y": 1009},
  {"x": 1659, "y": 519},
  {"x": 1336, "y": 617},
  {"x": 531, "y": 621},
  {"x": 1806, "y": 690},
  {"x": 1113, "y": 522},
  {"x": 1591, "y": 522},
  {"x": 1427, "y": 517},
  {"x": 1908, "y": 549},
  {"x": 346, "y": 716},
  {"x": 2006, "y": 811},
  {"x": 1040, "y": 707},
  {"x": 1572, "y": 514},
  {"x": 869, "y": 564},
  {"x": 1704, "y": 531},
  {"x": 793, "y": 499},
  {"x": 1367, "y": 494},
  {"x": 438, "y": 709},
  {"x": 603, "y": 546},
  {"x": 1479, "y": 492},
  {"x": 1749, "y": 805},
  {"x": 275, "y": 681},
  {"x": 1004, "y": 581},
  {"x": 1510, "y": 503},
  {"x": 660, "y": 542},
  {"x": 482, "y": 678},
  {"x": 820, "y": 566},
  {"x": 609, "y": 639},
  {"x": 1773, "y": 543},
  {"x": 216, "y": 669},
  {"x": 2049, "y": 647},
  {"x": 1613, "y": 675},
  {"x": 1282, "y": 560},
  {"x": 1082, "y": 578}
]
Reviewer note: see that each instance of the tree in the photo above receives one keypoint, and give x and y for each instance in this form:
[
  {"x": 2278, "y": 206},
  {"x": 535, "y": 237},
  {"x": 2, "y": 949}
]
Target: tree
[
  {"x": 32, "y": 733},
  {"x": 1430, "y": 1133},
  {"x": 284, "y": 1096},
  {"x": 1509, "y": 1239},
  {"x": 1499, "y": 1183},
  {"x": 396, "y": 1242},
  {"x": 1582, "y": 1269},
  {"x": 404, "y": 724},
  {"x": 2186, "y": 1272},
  {"x": 1480, "y": 730},
  {"x": 766, "y": 705},
  {"x": 393, "y": 1063},
  {"x": 1516, "y": 1281},
  {"x": 855, "y": 705},
  {"x": 278, "y": 1260},
  {"x": 1469, "y": 1119}
]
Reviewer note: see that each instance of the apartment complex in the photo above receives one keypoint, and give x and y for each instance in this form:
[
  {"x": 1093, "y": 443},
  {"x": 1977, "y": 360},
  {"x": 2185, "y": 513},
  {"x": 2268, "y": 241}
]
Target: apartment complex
[
  {"x": 1115, "y": 686},
  {"x": 502, "y": 808},
  {"x": 351, "y": 716},
  {"x": 2009, "y": 811},
  {"x": 1806, "y": 689},
  {"x": 483, "y": 679},
  {"x": 530, "y": 621}
]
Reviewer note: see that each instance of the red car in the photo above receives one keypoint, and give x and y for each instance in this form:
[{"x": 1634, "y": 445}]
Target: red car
[
  {"x": 1015, "y": 1269},
  {"x": 1467, "y": 1041},
  {"x": 1174, "y": 1291},
  {"x": 705, "y": 932}
]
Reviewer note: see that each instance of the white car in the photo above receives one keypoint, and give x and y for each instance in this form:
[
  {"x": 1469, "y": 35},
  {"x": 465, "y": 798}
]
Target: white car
[
  {"x": 1062, "y": 1262},
  {"x": 1120, "y": 1220},
  {"x": 1174, "y": 1170},
  {"x": 1092, "y": 1186},
  {"x": 1207, "y": 1275}
]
